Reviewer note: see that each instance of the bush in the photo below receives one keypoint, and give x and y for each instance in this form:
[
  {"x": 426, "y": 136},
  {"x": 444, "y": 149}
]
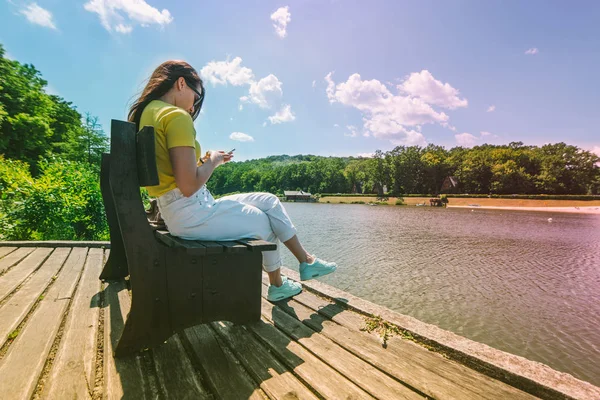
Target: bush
[
  {"x": 358, "y": 202},
  {"x": 63, "y": 203},
  {"x": 399, "y": 202}
]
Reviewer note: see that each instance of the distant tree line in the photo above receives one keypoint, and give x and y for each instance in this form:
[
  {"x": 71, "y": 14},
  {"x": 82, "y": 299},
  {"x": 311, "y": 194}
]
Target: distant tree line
[{"x": 498, "y": 169}]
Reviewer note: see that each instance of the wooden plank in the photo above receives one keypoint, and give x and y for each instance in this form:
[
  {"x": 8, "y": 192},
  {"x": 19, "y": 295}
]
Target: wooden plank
[
  {"x": 211, "y": 247},
  {"x": 55, "y": 243},
  {"x": 257, "y": 244},
  {"x": 165, "y": 237},
  {"x": 74, "y": 369},
  {"x": 275, "y": 379},
  {"x": 408, "y": 362},
  {"x": 6, "y": 250},
  {"x": 123, "y": 376},
  {"x": 329, "y": 383},
  {"x": 22, "y": 365},
  {"x": 176, "y": 375},
  {"x": 17, "y": 307},
  {"x": 225, "y": 376},
  {"x": 233, "y": 247},
  {"x": 358, "y": 371},
  {"x": 15, "y": 276},
  {"x": 14, "y": 258},
  {"x": 191, "y": 246}
]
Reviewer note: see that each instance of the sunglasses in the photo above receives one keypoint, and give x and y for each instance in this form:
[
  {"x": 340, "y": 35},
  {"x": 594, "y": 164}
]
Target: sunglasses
[{"x": 198, "y": 99}]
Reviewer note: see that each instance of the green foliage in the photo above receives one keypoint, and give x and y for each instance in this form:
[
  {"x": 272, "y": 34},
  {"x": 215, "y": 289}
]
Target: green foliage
[
  {"x": 399, "y": 201},
  {"x": 63, "y": 203},
  {"x": 383, "y": 328},
  {"x": 36, "y": 125}
]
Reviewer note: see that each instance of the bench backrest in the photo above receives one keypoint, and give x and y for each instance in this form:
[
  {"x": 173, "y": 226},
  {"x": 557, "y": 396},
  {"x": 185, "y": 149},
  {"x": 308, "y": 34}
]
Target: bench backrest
[{"x": 131, "y": 164}]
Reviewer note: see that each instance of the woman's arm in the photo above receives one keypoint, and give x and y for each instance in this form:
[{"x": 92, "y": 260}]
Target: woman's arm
[{"x": 189, "y": 177}]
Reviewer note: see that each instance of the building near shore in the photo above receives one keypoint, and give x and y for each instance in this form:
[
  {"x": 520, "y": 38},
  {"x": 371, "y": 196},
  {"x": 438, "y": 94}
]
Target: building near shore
[{"x": 293, "y": 195}]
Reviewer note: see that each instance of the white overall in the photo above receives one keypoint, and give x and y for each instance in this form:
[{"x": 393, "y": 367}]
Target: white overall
[{"x": 248, "y": 215}]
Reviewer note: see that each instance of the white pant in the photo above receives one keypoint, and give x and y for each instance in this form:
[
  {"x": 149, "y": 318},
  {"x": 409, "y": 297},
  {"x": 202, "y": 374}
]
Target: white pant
[{"x": 248, "y": 215}]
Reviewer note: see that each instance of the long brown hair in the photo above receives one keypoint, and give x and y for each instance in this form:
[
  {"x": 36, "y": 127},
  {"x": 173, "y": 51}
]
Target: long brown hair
[{"x": 160, "y": 82}]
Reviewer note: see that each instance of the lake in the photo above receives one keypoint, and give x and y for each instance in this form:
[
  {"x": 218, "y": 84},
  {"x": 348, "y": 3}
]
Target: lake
[{"x": 509, "y": 279}]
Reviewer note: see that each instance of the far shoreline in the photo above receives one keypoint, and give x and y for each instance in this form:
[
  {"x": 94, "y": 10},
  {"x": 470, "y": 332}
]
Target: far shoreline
[{"x": 560, "y": 206}]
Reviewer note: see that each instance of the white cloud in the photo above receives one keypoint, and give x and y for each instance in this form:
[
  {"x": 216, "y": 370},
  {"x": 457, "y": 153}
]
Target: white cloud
[
  {"x": 123, "y": 28},
  {"x": 113, "y": 13},
  {"x": 240, "y": 107},
  {"x": 241, "y": 137},
  {"x": 283, "y": 115},
  {"x": 425, "y": 86},
  {"x": 330, "y": 88},
  {"x": 445, "y": 125},
  {"x": 264, "y": 91},
  {"x": 465, "y": 139},
  {"x": 491, "y": 108},
  {"x": 385, "y": 115},
  {"x": 336, "y": 125},
  {"x": 223, "y": 72},
  {"x": 280, "y": 19},
  {"x": 352, "y": 131},
  {"x": 38, "y": 15},
  {"x": 532, "y": 51},
  {"x": 314, "y": 84},
  {"x": 486, "y": 134},
  {"x": 366, "y": 155}
]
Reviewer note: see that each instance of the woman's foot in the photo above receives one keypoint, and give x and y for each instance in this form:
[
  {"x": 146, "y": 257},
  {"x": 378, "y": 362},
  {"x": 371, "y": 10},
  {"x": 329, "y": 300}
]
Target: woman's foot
[
  {"x": 287, "y": 289},
  {"x": 316, "y": 268}
]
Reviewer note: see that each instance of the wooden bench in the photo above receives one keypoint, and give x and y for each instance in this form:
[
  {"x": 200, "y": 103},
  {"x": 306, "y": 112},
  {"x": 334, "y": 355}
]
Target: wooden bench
[{"x": 175, "y": 283}]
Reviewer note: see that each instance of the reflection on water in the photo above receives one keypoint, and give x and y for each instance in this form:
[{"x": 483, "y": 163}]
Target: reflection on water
[{"x": 510, "y": 279}]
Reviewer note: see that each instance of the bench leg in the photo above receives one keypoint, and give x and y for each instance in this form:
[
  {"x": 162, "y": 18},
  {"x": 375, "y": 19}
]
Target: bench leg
[
  {"x": 137, "y": 336},
  {"x": 116, "y": 265}
]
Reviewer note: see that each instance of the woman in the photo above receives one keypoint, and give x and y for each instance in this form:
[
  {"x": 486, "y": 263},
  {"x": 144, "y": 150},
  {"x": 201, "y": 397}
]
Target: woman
[{"x": 170, "y": 103}]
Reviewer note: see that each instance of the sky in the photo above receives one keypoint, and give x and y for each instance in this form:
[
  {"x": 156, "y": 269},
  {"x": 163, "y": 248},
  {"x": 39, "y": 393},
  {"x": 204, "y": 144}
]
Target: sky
[{"x": 331, "y": 78}]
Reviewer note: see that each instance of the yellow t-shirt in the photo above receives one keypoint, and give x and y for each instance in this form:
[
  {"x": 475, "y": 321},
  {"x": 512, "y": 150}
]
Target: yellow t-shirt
[{"x": 173, "y": 127}]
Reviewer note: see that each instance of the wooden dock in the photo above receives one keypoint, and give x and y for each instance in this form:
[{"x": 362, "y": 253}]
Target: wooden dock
[{"x": 59, "y": 323}]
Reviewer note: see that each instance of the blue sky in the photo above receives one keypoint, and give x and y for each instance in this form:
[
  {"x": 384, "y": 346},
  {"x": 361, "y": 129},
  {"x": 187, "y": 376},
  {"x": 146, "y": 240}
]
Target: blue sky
[{"x": 331, "y": 77}]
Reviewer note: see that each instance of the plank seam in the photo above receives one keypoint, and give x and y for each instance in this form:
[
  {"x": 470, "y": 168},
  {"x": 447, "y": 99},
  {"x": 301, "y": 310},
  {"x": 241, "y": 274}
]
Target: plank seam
[
  {"x": 227, "y": 351},
  {"x": 97, "y": 391},
  {"x": 27, "y": 278},
  {"x": 59, "y": 334},
  {"x": 356, "y": 354},
  {"x": 147, "y": 363},
  {"x": 283, "y": 361},
  {"x": 2, "y": 273},
  {"x": 322, "y": 359},
  {"x": 197, "y": 365},
  {"x": 33, "y": 308},
  {"x": 256, "y": 380},
  {"x": 9, "y": 253}
]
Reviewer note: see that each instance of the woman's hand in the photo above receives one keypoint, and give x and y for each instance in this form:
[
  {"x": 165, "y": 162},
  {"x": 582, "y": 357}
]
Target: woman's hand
[{"x": 219, "y": 157}]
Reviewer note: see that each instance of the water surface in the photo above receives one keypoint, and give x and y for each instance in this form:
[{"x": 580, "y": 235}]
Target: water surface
[{"x": 509, "y": 279}]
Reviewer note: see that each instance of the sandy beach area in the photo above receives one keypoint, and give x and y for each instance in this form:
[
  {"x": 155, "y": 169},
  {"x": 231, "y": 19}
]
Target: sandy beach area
[
  {"x": 564, "y": 206},
  {"x": 580, "y": 210}
]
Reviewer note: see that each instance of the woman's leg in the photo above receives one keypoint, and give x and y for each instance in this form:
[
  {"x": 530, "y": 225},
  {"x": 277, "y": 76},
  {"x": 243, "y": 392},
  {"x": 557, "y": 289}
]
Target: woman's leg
[
  {"x": 298, "y": 250},
  {"x": 280, "y": 221}
]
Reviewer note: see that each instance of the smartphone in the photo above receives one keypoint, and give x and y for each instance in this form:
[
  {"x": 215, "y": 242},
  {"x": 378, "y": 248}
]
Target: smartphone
[{"x": 231, "y": 151}]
